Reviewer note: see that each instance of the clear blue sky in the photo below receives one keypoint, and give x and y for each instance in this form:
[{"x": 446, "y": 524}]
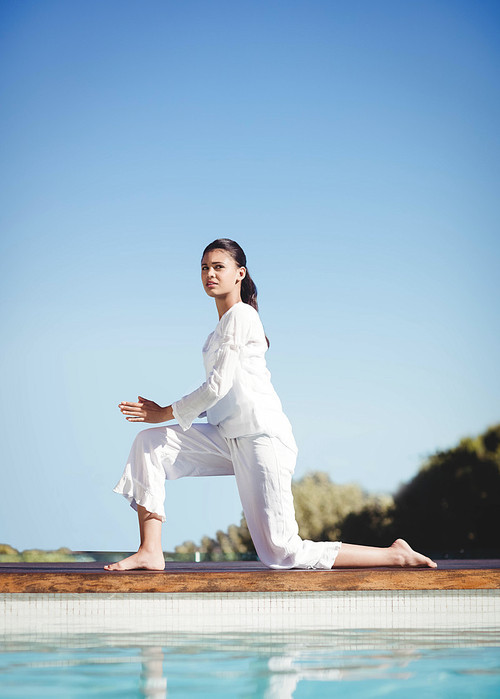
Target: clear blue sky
[{"x": 352, "y": 148}]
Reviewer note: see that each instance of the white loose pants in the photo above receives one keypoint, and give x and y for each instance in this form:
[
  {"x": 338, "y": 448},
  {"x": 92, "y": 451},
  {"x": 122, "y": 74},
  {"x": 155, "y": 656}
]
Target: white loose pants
[{"x": 263, "y": 467}]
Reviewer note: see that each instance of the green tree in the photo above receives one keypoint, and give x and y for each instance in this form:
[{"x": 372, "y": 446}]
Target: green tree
[
  {"x": 8, "y": 554},
  {"x": 372, "y": 525},
  {"x": 453, "y": 503},
  {"x": 321, "y": 505}
]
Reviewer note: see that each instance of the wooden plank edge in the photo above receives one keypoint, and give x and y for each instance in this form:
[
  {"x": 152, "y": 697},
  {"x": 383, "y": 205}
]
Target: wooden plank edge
[{"x": 255, "y": 581}]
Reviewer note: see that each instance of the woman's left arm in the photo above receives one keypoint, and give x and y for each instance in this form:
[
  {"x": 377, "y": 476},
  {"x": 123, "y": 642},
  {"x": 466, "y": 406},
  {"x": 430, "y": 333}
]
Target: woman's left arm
[
  {"x": 146, "y": 411},
  {"x": 235, "y": 333}
]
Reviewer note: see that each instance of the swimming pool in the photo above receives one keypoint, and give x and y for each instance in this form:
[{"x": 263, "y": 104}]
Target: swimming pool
[
  {"x": 239, "y": 630},
  {"x": 277, "y": 665},
  {"x": 258, "y": 611}
]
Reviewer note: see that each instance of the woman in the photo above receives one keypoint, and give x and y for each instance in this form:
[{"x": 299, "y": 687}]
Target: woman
[{"x": 247, "y": 434}]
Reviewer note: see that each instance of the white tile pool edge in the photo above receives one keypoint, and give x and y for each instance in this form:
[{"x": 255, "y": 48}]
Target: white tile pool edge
[{"x": 250, "y": 611}]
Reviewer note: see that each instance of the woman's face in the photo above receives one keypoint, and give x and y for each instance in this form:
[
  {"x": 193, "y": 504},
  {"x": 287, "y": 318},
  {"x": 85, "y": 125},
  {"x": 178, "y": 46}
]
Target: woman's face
[{"x": 220, "y": 274}]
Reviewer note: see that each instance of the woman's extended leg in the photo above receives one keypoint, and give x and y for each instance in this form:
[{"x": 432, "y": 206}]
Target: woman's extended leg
[
  {"x": 263, "y": 466},
  {"x": 399, "y": 554},
  {"x": 150, "y": 554}
]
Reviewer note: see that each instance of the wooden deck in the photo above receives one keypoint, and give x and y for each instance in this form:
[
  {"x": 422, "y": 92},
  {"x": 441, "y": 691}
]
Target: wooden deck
[{"x": 243, "y": 576}]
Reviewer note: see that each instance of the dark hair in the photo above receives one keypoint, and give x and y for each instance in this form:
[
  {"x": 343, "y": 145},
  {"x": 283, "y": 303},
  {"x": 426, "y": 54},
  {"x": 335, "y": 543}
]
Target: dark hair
[{"x": 248, "y": 288}]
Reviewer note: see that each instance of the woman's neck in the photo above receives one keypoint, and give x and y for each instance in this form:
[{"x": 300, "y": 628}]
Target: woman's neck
[{"x": 225, "y": 303}]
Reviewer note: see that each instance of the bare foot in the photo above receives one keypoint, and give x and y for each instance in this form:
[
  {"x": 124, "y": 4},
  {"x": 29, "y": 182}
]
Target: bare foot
[
  {"x": 141, "y": 559},
  {"x": 407, "y": 557}
]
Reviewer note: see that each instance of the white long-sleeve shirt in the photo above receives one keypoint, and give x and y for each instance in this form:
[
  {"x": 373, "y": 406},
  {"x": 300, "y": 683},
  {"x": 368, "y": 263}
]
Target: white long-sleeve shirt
[{"x": 238, "y": 395}]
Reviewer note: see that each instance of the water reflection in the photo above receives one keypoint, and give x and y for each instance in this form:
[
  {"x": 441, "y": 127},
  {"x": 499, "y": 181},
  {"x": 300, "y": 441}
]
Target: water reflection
[
  {"x": 272, "y": 666},
  {"x": 153, "y": 683}
]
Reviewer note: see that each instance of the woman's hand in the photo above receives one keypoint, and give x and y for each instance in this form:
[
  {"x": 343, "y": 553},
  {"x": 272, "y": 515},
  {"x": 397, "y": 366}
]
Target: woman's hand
[{"x": 145, "y": 411}]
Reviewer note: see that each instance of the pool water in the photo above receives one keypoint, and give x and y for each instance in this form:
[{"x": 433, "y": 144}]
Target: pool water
[{"x": 278, "y": 665}]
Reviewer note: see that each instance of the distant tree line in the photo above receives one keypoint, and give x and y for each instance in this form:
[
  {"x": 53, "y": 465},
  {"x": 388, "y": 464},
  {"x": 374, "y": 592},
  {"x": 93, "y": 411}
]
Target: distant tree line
[
  {"x": 8, "y": 554},
  {"x": 451, "y": 506}
]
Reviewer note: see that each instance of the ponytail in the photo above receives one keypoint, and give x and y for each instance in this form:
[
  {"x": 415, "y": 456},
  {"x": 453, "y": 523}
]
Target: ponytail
[{"x": 249, "y": 291}]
